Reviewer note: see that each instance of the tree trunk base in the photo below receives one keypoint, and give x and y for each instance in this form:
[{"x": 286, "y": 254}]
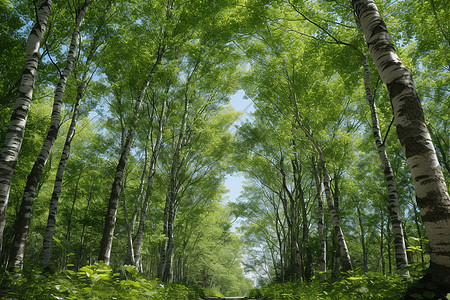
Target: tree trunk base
[{"x": 430, "y": 286}]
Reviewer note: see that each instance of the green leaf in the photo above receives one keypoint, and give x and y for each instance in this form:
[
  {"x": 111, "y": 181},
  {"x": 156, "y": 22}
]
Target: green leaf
[{"x": 429, "y": 294}]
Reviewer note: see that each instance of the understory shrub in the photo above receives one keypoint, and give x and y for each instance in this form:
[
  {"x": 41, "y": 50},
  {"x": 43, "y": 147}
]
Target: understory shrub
[
  {"x": 97, "y": 281},
  {"x": 353, "y": 285}
]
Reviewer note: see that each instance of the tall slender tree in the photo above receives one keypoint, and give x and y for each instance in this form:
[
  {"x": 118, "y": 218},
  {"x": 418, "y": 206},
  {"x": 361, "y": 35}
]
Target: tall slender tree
[
  {"x": 24, "y": 217},
  {"x": 137, "y": 241},
  {"x": 394, "y": 212},
  {"x": 14, "y": 136},
  {"x": 431, "y": 191},
  {"x": 51, "y": 222},
  {"x": 111, "y": 214}
]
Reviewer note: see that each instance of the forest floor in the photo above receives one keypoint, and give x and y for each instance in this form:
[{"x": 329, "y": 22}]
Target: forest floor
[{"x": 227, "y": 298}]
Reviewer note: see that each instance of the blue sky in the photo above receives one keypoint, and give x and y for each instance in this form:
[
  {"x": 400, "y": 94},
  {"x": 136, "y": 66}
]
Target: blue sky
[{"x": 234, "y": 182}]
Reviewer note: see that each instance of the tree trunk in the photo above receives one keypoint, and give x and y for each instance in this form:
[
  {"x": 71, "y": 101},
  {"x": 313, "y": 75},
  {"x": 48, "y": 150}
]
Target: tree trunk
[
  {"x": 343, "y": 250},
  {"x": 69, "y": 223},
  {"x": 320, "y": 221},
  {"x": 24, "y": 216},
  {"x": 431, "y": 191},
  {"x": 151, "y": 175},
  {"x": 363, "y": 238},
  {"x": 51, "y": 222},
  {"x": 111, "y": 214},
  {"x": 170, "y": 210},
  {"x": 290, "y": 214},
  {"x": 383, "y": 268},
  {"x": 389, "y": 238},
  {"x": 394, "y": 213},
  {"x": 419, "y": 231},
  {"x": 14, "y": 135},
  {"x": 83, "y": 229}
]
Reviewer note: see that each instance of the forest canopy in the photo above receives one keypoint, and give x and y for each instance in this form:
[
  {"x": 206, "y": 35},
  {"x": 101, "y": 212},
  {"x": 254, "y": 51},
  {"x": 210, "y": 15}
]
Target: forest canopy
[{"x": 118, "y": 132}]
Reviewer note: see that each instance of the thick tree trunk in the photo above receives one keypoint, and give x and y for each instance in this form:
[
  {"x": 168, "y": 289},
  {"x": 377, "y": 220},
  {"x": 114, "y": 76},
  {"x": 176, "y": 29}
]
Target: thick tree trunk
[
  {"x": 111, "y": 214},
  {"x": 394, "y": 212},
  {"x": 51, "y": 222},
  {"x": 431, "y": 191},
  {"x": 25, "y": 212},
  {"x": 15, "y": 132}
]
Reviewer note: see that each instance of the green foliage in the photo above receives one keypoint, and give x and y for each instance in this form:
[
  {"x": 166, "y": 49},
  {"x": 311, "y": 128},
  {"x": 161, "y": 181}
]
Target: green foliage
[
  {"x": 97, "y": 281},
  {"x": 354, "y": 285}
]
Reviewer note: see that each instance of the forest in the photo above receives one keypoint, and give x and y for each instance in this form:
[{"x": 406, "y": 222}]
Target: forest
[{"x": 118, "y": 133}]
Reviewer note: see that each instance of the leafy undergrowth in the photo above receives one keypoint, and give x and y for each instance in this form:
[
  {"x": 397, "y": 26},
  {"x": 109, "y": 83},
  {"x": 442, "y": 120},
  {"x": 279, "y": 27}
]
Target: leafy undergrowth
[
  {"x": 94, "y": 282},
  {"x": 354, "y": 285}
]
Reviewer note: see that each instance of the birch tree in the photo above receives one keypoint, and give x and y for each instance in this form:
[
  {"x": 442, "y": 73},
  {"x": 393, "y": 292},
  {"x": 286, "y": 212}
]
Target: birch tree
[
  {"x": 14, "y": 136},
  {"x": 160, "y": 49},
  {"x": 393, "y": 208},
  {"x": 394, "y": 212},
  {"x": 24, "y": 217},
  {"x": 431, "y": 191}
]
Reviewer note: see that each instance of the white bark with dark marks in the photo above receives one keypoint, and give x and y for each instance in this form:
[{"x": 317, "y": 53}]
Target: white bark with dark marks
[
  {"x": 320, "y": 221},
  {"x": 14, "y": 135},
  {"x": 24, "y": 217},
  {"x": 394, "y": 212},
  {"x": 431, "y": 191}
]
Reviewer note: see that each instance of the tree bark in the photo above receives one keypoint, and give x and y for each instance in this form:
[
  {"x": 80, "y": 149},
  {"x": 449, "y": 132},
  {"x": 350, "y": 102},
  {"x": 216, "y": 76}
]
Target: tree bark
[
  {"x": 51, "y": 222},
  {"x": 25, "y": 212},
  {"x": 170, "y": 209},
  {"x": 343, "y": 250},
  {"x": 383, "y": 267},
  {"x": 14, "y": 135},
  {"x": 111, "y": 214},
  {"x": 431, "y": 191},
  {"x": 394, "y": 212},
  {"x": 320, "y": 221},
  {"x": 151, "y": 175},
  {"x": 290, "y": 214},
  {"x": 363, "y": 237}
]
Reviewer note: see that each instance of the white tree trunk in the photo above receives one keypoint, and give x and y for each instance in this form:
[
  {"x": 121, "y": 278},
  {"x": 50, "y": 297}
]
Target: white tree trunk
[
  {"x": 431, "y": 191},
  {"x": 320, "y": 221},
  {"x": 25, "y": 212},
  {"x": 14, "y": 134}
]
